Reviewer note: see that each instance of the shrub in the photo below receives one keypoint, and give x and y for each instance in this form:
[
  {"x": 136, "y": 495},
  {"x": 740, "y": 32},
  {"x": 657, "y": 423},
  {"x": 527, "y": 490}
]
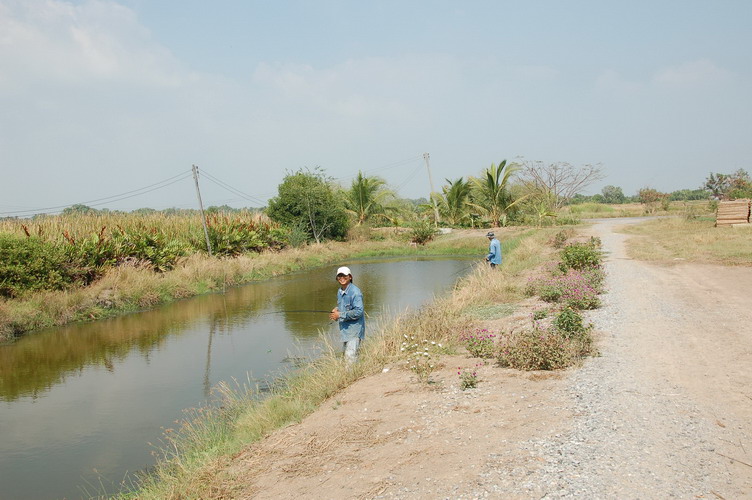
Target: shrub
[
  {"x": 422, "y": 232},
  {"x": 29, "y": 264},
  {"x": 88, "y": 258},
  {"x": 480, "y": 344},
  {"x": 569, "y": 323},
  {"x": 232, "y": 236},
  {"x": 576, "y": 289},
  {"x": 581, "y": 256},
  {"x": 537, "y": 349},
  {"x": 561, "y": 237},
  {"x": 297, "y": 236},
  {"x": 150, "y": 245},
  {"x": 549, "y": 289},
  {"x": 577, "y": 292}
]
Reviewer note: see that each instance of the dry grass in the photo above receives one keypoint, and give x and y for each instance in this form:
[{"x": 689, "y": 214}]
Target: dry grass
[
  {"x": 679, "y": 240},
  {"x": 603, "y": 210},
  {"x": 51, "y": 228}
]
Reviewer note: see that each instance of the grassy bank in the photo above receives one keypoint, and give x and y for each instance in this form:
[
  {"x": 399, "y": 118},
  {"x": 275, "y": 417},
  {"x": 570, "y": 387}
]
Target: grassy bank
[
  {"x": 678, "y": 240},
  {"x": 127, "y": 289},
  {"x": 195, "y": 456}
]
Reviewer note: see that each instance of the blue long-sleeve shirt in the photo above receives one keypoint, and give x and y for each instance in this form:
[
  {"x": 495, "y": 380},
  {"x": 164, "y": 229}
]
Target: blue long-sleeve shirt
[
  {"x": 352, "y": 321},
  {"x": 494, "y": 252}
]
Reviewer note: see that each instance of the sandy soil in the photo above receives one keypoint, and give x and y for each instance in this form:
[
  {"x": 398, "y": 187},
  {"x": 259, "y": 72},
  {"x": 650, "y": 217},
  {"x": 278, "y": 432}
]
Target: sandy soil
[{"x": 676, "y": 342}]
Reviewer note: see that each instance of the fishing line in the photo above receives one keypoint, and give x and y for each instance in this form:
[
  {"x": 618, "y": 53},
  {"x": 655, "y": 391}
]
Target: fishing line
[
  {"x": 298, "y": 311},
  {"x": 474, "y": 264}
]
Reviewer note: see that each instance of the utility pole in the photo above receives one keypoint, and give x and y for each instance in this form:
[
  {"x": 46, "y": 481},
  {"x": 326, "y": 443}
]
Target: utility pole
[
  {"x": 430, "y": 182},
  {"x": 201, "y": 206}
]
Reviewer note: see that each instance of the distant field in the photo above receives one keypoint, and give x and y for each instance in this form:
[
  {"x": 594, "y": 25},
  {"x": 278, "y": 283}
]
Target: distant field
[
  {"x": 603, "y": 210},
  {"x": 677, "y": 240}
]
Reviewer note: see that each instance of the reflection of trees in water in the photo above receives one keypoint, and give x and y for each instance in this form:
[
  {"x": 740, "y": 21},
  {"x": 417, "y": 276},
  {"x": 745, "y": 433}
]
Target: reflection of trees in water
[{"x": 39, "y": 361}]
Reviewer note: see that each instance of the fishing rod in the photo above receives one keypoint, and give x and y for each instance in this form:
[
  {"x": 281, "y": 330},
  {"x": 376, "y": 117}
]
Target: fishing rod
[
  {"x": 474, "y": 264},
  {"x": 298, "y": 311}
]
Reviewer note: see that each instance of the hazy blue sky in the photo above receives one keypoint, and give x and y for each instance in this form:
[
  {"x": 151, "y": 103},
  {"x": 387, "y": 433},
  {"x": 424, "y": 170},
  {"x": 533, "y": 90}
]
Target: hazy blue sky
[{"x": 100, "y": 98}]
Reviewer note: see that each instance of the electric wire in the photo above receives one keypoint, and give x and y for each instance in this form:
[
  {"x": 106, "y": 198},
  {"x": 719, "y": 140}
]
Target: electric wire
[
  {"x": 399, "y": 163},
  {"x": 186, "y": 174},
  {"x": 108, "y": 199},
  {"x": 230, "y": 188},
  {"x": 409, "y": 178}
]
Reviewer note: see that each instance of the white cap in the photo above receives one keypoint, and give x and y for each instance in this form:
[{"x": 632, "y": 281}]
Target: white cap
[{"x": 343, "y": 270}]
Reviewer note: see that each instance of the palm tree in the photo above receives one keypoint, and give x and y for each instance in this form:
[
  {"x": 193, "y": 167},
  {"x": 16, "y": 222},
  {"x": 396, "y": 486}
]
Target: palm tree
[
  {"x": 453, "y": 201},
  {"x": 491, "y": 192},
  {"x": 366, "y": 198},
  {"x": 542, "y": 205}
]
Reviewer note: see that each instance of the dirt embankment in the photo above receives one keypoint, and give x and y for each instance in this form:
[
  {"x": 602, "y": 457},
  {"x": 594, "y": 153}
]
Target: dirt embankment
[{"x": 666, "y": 410}]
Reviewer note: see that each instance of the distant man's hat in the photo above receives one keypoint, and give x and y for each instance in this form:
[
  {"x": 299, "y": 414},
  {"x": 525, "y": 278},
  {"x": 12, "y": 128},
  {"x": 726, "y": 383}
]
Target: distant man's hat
[
  {"x": 490, "y": 234},
  {"x": 344, "y": 270}
]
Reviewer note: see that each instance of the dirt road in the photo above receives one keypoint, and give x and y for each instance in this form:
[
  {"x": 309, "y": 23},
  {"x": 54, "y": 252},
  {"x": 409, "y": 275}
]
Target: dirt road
[{"x": 665, "y": 411}]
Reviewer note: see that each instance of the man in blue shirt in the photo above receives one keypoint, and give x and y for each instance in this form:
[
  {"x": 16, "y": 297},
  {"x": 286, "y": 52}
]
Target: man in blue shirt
[
  {"x": 494, "y": 250},
  {"x": 349, "y": 313}
]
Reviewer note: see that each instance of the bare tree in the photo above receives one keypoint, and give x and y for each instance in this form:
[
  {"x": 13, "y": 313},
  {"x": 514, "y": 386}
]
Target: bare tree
[{"x": 562, "y": 180}]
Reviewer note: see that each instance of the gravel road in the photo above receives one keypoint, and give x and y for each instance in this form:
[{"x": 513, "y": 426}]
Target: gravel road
[{"x": 650, "y": 418}]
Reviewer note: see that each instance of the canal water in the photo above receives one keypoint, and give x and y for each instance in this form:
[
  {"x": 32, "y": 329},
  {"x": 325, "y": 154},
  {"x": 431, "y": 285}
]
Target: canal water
[{"x": 80, "y": 405}]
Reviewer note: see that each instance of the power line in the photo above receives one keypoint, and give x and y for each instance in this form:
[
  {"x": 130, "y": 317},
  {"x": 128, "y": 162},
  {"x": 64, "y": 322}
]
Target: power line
[
  {"x": 410, "y": 177},
  {"x": 399, "y": 163},
  {"x": 231, "y": 189},
  {"x": 108, "y": 199}
]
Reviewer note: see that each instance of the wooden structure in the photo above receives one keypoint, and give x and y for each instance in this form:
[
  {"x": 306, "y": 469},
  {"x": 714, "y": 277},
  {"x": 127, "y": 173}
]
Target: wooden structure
[{"x": 732, "y": 212}]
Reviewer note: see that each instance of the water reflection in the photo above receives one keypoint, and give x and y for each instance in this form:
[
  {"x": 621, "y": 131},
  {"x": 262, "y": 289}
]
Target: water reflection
[{"x": 90, "y": 396}]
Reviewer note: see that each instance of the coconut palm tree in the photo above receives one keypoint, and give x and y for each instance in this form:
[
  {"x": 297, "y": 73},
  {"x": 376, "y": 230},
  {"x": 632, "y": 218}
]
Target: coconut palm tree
[
  {"x": 366, "y": 198},
  {"x": 491, "y": 194},
  {"x": 452, "y": 201}
]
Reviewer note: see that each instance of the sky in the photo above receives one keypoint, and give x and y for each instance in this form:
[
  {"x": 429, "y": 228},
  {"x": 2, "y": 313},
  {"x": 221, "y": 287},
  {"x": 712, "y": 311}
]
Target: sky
[{"x": 110, "y": 103}]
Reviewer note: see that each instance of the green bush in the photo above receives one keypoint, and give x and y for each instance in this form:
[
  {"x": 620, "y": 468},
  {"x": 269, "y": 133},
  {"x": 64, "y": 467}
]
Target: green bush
[
  {"x": 297, "y": 236},
  {"x": 30, "y": 264},
  {"x": 149, "y": 245},
  {"x": 422, "y": 232},
  {"x": 88, "y": 258},
  {"x": 233, "y": 236},
  {"x": 570, "y": 323},
  {"x": 581, "y": 256}
]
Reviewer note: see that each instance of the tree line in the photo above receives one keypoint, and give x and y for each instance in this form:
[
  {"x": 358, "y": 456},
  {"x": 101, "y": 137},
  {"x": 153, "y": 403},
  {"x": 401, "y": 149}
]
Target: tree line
[{"x": 314, "y": 207}]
